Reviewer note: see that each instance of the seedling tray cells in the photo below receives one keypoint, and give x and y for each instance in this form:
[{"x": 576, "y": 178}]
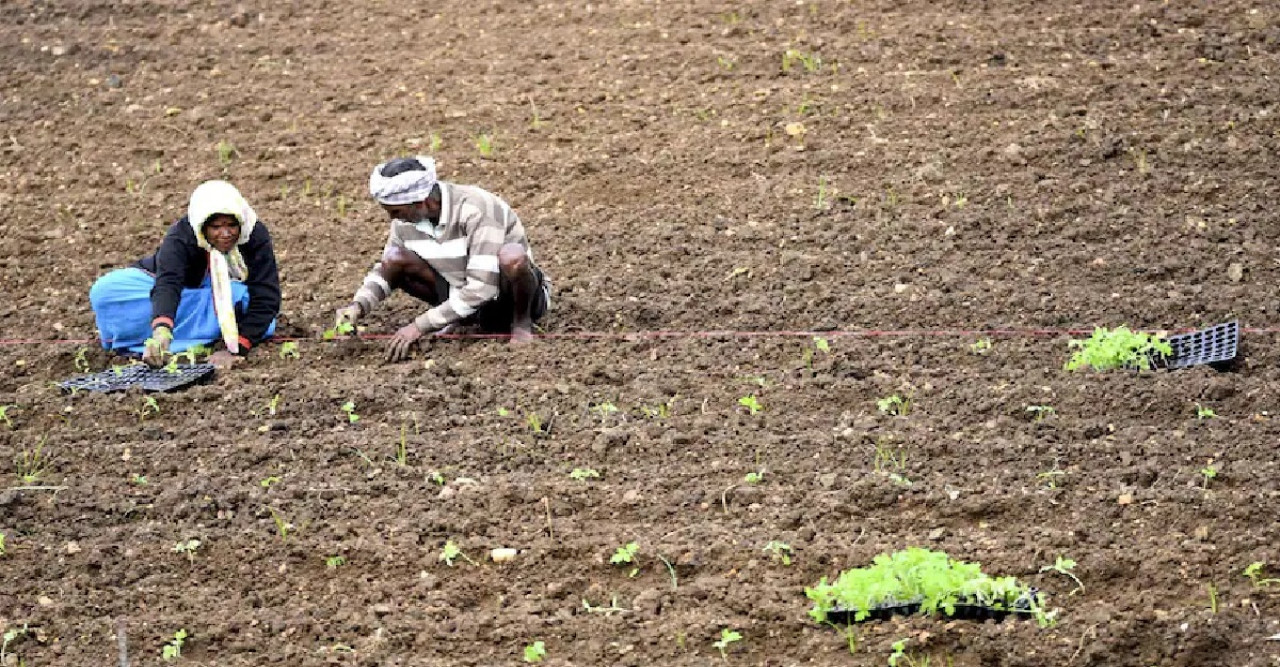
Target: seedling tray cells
[{"x": 123, "y": 378}]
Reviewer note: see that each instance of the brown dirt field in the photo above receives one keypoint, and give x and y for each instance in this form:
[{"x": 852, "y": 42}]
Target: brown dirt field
[{"x": 963, "y": 165}]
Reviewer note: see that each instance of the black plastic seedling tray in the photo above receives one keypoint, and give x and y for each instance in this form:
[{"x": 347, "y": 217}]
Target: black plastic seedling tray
[
  {"x": 1217, "y": 346},
  {"x": 964, "y": 610},
  {"x": 141, "y": 376}
]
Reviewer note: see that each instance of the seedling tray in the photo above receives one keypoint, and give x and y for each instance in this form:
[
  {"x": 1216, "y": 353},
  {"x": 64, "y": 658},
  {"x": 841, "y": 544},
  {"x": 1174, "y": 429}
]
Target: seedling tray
[
  {"x": 141, "y": 376},
  {"x": 1216, "y": 346},
  {"x": 964, "y": 611}
]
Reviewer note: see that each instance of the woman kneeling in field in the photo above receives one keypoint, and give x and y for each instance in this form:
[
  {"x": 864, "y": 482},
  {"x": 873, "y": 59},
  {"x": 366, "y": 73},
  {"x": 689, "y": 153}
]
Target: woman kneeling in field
[{"x": 214, "y": 277}]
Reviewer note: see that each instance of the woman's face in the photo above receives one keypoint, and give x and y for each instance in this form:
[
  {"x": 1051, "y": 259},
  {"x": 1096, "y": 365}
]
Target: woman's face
[{"x": 222, "y": 231}]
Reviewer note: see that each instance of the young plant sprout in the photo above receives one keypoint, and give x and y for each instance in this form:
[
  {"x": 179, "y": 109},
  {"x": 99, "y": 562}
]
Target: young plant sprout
[
  {"x": 779, "y": 551},
  {"x": 187, "y": 547},
  {"x": 3, "y": 552},
  {"x": 727, "y": 638},
  {"x": 268, "y": 481},
  {"x": 452, "y": 552},
  {"x": 138, "y": 480},
  {"x": 982, "y": 346},
  {"x": 334, "y": 562},
  {"x": 289, "y": 350},
  {"x": 1204, "y": 413},
  {"x": 534, "y": 422},
  {"x": 754, "y": 477},
  {"x": 535, "y": 652},
  {"x": 342, "y": 329},
  {"x": 283, "y": 527},
  {"x": 32, "y": 464},
  {"x": 894, "y": 405},
  {"x": 1208, "y": 473},
  {"x": 1064, "y": 566},
  {"x": 484, "y": 144},
  {"x": 626, "y": 554},
  {"x": 81, "y": 360},
  {"x": 583, "y": 474},
  {"x": 350, "y": 409},
  {"x": 1040, "y": 411},
  {"x": 751, "y": 404},
  {"x": 1253, "y": 571},
  {"x": 4, "y": 415},
  {"x": 173, "y": 649},
  {"x": 149, "y": 407},
  {"x": 604, "y": 410}
]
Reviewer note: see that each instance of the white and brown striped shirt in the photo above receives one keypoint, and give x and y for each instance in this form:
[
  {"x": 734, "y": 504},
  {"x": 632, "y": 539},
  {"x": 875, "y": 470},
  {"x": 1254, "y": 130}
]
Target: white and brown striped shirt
[{"x": 474, "y": 225}]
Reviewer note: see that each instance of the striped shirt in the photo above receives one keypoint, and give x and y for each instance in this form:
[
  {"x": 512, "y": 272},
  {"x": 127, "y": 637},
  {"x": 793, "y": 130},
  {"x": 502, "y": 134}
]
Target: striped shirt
[{"x": 463, "y": 247}]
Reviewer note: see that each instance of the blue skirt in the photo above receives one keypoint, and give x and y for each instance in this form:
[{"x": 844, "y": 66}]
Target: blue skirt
[{"x": 121, "y": 302}]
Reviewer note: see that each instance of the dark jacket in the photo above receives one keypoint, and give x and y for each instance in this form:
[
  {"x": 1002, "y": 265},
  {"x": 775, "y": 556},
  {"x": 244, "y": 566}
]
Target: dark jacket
[{"x": 182, "y": 263}]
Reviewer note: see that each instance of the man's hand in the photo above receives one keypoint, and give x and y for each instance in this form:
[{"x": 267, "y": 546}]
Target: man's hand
[
  {"x": 404, "y": 340},
  {"x": 347, "y": 315},
  {"x": 157, "y": 346},
  {"x": 224, "y": 360}
]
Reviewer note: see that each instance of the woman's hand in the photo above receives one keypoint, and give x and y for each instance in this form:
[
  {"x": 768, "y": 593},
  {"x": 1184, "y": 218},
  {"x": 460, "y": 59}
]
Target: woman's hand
[
  {"x": 157, "y": 346},
  {"x": 224, "y": 360}
]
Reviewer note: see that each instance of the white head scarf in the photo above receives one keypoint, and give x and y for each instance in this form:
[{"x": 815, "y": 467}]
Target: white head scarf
[
  {"x": 404, "y": 188},
  {"x": 209, "y": 199}
]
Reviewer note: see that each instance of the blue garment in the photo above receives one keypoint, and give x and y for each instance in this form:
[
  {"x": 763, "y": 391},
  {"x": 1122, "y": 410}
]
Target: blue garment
[{"x": 121, "y": 302}]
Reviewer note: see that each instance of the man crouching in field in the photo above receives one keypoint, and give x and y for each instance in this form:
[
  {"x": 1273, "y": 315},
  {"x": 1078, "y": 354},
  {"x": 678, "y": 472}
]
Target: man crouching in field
[{"x": 457, "y": 247}]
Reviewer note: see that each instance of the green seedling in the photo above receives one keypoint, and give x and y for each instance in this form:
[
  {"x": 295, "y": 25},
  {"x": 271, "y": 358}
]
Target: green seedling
[
  {"x": 751, "y": 403},
  {"x": 402, "y": 447},
  {"x": 754, "y": 477},
  {"x": 503, "y": 412},
  {"x": 822, "y": 201},
  {"x": 724, "y": 63},
  {"x": 779, "y": 551},
  {"x": 350, "y": 409},
  {"x": 82, "y": 360},
  {"x": 901, "y": 657},
  {"x": 1208, "y": 473},
  {"x": 1253, "y": 571},
  {"x": 1118, "y": 348},
  {"x": 193, "y": 354},
  {"x": 342, "y": 206},
  {"x": 1040, "y": 411},
  {"x": 3, "y": 551},
  {"x": 435, "y": 477},
  {"x": 535, "y": 423},
  {"x": 138, "y": 480},
  {"x": 535, "y": 652},
  {"x": 149, "y": 407},
  {"x": 340, "y": 329},
  {"x": 894, "y": 405},
  {"x": 583, "y": 474},
  {"x": 226, "y": 150},
  {"x": 888, "y": 458},
  {"x": 4, "y": 415},
  {"x": 626, "y": 554},
  {"x": 187, "y": 547},
  {"x": 819, "y": 345},
  {"x": 452, "y": 552},
  {"x": 273, "y": 405},
  {"x": 32, "y": 464},
  {"x": 289, "y": 350},
  {"x": 484, "y": 144},
  {"x": 1064, "y": 566},
  {"x": 11, "y": 636},
  {"x": 1213, "y": 598},
  {"x": 1050, "y": 478},
  {"x": 601, "y": 609},
  {"x": 173, "y": 650},
  {"x": 436, "y": 142},
  {"x": 283, "y": 527},
  {"x": 811, "y": 62},
  {"x": 660, "y": 411},
  {"x": 982, "y": 346},
  {"x": 334, "y": 562},
  {"x": 535, "y": 120},
  {"x": 727, "y": 638},
  {"x": 1204, "y": 413},
  {"x": 604, "y": 410},
  {"x": 268, "y": 481}
]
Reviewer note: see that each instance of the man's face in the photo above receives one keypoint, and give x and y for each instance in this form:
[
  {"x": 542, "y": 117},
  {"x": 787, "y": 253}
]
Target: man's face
[
  {"x": 222, "y": 231},
  {"x": 413, "y": 213}
]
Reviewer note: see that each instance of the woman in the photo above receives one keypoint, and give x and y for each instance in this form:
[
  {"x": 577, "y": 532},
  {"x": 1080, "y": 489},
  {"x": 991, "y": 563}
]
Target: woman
[{"x": 214, "y": 277}]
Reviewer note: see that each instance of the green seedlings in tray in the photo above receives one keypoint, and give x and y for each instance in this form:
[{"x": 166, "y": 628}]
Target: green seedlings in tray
[
  {"x": 1204, "y": 413},
  {"x": 350, "y": 409},
  {"x": 32, "y": 464},
  {"x": 981, "y": 347},
  {"x": 1208, "y": 474},
  {"x": 583, "y": 474},
  {"x": 1040, "y": 411},
  {"x": 751, "y": 403},
  {"x": 289, "y": 350},
  {"x": 1253, "y": 571},
  {"x": 535, "y": 652},
  {"x": 173, "y": 649},
  {"x": 187, "y": 547},
  {"x": 1064, "y": 566},
  {"x": 727, "y": 638},
  {"x": 626, "y": 554},
  {"x": 1116, "y": 348},
  {"x": 894, "y": 405},
  {"x": 334, "y": 562},
  {"x": 452, "y": 552},
  {"x": 779, "y": 551},
  {"x": 149, "y": 407},
  {"x": 4, "y": 415}
]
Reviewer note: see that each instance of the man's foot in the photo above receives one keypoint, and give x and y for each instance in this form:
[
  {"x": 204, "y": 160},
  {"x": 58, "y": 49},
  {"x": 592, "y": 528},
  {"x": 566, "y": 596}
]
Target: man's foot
[{"x": 521, "y": 334}]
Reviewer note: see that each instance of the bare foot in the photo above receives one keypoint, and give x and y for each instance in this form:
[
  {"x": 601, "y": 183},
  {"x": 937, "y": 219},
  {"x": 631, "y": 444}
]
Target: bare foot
[{"x": 521, "y": 335}]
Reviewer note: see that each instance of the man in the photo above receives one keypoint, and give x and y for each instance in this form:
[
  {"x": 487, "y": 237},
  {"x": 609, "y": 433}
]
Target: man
[{"x": 458, "y": 248}]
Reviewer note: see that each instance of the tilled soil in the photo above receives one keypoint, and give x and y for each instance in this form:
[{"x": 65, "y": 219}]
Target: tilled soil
[{"x": 931, "y": 170}]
